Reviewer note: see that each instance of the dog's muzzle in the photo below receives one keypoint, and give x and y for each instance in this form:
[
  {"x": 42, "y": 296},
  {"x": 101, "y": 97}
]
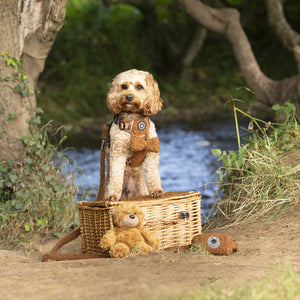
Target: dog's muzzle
[{"x": 129, "y": 97}]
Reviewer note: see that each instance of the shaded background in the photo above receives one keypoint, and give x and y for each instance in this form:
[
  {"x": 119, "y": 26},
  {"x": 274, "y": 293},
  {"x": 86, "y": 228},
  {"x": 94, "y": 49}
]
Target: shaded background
[{"x": 99, "y": 39}]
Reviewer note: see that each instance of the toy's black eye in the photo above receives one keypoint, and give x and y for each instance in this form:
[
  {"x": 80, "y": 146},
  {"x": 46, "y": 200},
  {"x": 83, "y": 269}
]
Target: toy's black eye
[
  {"x": 139, "y": 87},
  {"x": 124, "y": 86},
  {"x": 213, "y": 242}
]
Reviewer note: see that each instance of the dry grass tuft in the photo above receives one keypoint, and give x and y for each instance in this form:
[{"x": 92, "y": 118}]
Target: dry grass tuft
[{"x": 262, "y": 180}]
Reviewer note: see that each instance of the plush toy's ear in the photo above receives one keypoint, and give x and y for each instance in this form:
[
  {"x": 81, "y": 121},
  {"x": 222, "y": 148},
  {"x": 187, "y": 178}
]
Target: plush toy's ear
[{"x": 115, "y": 212}]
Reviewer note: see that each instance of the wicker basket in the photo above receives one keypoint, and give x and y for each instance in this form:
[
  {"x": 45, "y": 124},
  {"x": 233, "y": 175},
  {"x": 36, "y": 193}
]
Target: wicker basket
[{"x": 174, "y": 218}]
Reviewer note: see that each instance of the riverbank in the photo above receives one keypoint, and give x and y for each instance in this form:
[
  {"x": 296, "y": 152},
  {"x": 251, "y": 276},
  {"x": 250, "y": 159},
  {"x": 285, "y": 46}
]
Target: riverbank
[
  {"x": 197, "y": 113},
  {"x": 264, "y": 250}
]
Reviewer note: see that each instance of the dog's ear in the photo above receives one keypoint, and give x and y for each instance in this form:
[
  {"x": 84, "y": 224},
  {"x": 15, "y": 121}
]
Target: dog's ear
[
  {"x": 154, "y": 102},
  {"x": 112, "y": 98}
]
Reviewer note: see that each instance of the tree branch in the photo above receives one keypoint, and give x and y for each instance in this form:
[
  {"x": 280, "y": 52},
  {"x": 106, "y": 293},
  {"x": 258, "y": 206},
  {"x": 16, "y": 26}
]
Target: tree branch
[
  {"x": 208, "y": 17},
  {"x": 276, "y": 17},
  {"x": 195, "y": 46},
  {"x": 226, "y": 22},
  {"x": 289, "y": 38}
]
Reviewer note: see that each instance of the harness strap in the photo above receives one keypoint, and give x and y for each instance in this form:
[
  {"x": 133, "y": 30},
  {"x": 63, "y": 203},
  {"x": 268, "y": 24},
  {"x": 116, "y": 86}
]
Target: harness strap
[
  {"x": 53, "y": 255},
  {"x": 140, "y": 144},
  {"x": 139, "y": 129},
  {"x": 105, "y": 141},
  {"x": 138, "y": 126},
  {"x": 135, "y": 160}
]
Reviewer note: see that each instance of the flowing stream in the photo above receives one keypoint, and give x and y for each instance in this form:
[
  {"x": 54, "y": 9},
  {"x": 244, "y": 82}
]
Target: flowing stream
[{"x": 186, "y": 160}]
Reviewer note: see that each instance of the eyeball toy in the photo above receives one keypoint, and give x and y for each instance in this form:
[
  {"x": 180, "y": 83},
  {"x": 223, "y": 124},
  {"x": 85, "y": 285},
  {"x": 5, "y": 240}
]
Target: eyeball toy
[{"x": 216, "y": 243}]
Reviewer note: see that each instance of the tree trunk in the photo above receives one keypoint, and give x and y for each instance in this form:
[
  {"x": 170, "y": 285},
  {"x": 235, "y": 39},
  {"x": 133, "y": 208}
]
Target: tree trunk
[
  {"x": 28, "y": 29},
  {"x": 226, "y": 22},
  {"x": 194, "y": 47},
  {"x": 289, "y": 38}
]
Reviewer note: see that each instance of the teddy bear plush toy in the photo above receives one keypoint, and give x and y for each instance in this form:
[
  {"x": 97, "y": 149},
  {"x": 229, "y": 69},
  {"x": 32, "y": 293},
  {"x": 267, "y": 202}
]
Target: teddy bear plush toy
[{"x": 128, "y": 235}]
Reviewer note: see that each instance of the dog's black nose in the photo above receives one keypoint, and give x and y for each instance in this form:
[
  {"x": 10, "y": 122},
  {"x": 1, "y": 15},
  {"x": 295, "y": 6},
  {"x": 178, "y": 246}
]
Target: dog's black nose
[
  {"x": 132, "y": 216},
  {"x": 129, "y": 97}
]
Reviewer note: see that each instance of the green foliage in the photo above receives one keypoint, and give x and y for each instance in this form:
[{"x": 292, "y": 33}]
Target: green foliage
[
  {"x": 37, "y": 192},
  {"x": 96, "y": 43},
  {"x": 258, "y": 180},
  {"x": 18, "y": 78},
  {"x": 288, "y": 110},
  {"x": 283, "y": 137},
  {"x": 99, "y": 41},
  {"x": 235, "y": 2}
]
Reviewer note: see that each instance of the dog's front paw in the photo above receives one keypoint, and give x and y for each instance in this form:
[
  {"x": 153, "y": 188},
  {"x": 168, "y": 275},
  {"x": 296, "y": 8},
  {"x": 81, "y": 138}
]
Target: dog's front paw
[{"x": 157, "y": 194}]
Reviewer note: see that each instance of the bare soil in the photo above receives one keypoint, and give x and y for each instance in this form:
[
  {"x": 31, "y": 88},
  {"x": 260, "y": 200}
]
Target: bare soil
[{"x": 263, "y": 249}]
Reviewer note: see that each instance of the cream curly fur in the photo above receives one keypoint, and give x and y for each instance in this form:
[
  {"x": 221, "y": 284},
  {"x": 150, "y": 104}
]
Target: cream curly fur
[{"x": 124, "y": 181}]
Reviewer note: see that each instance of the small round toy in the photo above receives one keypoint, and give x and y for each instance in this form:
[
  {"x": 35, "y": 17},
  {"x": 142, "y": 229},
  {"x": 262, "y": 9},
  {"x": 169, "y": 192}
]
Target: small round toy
[{"x": 216, "y": 243}]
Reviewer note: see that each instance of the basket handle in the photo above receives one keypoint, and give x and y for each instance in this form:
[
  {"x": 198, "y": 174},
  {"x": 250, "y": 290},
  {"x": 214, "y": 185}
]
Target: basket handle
[{"x": 53, "y": 255}]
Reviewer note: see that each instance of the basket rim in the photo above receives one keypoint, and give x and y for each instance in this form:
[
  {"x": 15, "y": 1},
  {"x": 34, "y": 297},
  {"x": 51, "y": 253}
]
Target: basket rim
[{"x": 168, "y": 196}]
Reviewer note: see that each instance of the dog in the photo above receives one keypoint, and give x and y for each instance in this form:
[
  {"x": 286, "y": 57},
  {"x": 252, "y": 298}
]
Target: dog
[{"x": 132, "y": 156}]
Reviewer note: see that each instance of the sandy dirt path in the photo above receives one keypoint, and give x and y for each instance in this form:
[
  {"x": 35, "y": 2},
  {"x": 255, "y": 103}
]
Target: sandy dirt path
[{"x": 263, "y": 249}]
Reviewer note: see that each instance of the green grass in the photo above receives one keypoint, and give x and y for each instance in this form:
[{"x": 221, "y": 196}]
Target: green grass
[
  {"x": 262, "y": 179},
  {"x": 283, "y": 285}
]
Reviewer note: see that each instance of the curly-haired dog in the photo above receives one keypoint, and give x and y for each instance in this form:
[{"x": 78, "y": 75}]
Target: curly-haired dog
[{"x": 133, "y": 153}]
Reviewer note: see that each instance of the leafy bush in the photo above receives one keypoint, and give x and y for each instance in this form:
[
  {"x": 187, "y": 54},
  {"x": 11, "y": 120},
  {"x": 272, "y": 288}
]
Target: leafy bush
[
  {"x": 262, "y": 178},
  {"x": 97, "y": 42},
  {"x": 37, "y": 192}
]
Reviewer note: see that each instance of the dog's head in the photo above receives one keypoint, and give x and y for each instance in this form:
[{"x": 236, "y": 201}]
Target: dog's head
[{"x": 134, "y": 91}]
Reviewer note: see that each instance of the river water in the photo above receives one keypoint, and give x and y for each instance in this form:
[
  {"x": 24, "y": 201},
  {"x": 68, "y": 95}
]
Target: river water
[{"x": 186, "y": 161}]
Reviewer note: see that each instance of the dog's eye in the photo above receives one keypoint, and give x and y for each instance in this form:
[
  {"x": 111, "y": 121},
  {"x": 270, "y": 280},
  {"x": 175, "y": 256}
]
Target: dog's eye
[
  {"x": 124, "y": 87},
  {"x": 139, "y": 87}
]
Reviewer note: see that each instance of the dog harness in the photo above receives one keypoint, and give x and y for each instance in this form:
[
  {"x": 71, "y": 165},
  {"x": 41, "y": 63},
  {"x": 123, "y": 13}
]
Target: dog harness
[
  {"x": 139, "y": 126},
  {"x": 140, "y": 143}
]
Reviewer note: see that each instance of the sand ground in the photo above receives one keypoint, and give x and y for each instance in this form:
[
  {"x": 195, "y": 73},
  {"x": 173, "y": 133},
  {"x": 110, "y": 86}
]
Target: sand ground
[{"x": 263, "y": 249}]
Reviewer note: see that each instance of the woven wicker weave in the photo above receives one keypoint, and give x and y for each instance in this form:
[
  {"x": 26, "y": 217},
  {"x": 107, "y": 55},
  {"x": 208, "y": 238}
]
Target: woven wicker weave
[{"x": 164, "y": 216}]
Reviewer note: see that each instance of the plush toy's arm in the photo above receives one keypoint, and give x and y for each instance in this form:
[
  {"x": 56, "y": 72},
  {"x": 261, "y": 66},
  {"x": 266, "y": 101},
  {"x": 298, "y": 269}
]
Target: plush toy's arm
[
  {"x": 108, "y": 240},
  {"x": 150, "y": 238}
]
